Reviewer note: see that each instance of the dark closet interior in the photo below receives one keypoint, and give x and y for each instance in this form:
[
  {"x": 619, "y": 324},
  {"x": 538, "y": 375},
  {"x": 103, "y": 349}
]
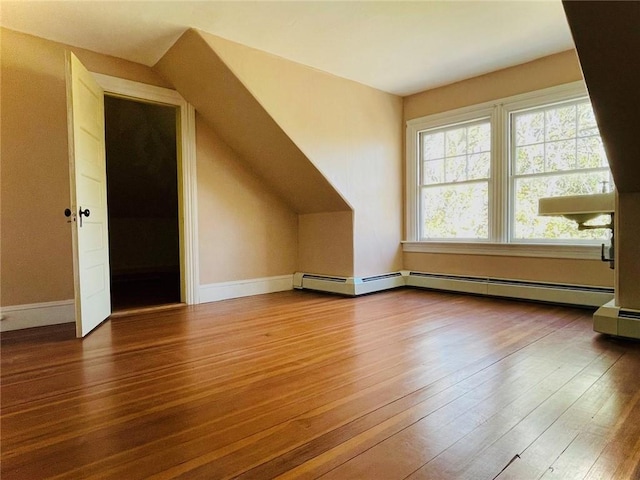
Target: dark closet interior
[{"x": 142, "y": 195}]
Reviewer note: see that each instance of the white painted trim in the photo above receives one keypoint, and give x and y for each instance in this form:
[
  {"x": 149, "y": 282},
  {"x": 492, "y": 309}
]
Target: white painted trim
[
  {"x": 16, "y": 317},
  {"x": 190, "y": 206},
  {"x": 188, "y": 176},
  {"x": 582, "y": 252},
  {"x": 138, "y": 90},
  {"x": 214, "y": 292}
]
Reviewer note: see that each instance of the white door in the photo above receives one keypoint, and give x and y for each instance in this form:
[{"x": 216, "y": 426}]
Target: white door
[{"x": 87, "y": 163}]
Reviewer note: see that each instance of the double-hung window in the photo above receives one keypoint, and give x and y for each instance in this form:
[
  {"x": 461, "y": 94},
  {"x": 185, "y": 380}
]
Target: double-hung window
[
  {"x": 474, "y": 175},
  {"x": 455, "y": 168},
  {"x": 555, "y": 150}
]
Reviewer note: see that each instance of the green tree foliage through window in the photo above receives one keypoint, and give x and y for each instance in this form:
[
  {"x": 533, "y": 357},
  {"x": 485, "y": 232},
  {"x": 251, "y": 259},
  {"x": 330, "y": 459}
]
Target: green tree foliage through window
[
  {"x": 556, "y": 151},
  {"x": 456, "y": 166}
]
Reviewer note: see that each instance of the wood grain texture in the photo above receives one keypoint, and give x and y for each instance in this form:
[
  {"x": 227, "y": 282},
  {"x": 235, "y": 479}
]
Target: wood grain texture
[{"x": 401, "y": 384}]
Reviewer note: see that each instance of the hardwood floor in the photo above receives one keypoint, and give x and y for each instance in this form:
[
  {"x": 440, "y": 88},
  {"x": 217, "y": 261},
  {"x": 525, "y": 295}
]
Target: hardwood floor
[{"x": 406, "y": 384}]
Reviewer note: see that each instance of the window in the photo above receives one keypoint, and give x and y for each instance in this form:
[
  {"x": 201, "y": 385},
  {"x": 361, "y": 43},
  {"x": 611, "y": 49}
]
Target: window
[
  {"x": 555, "y": 150},
  {"x": 475, "y": 175},
  {"x": 454, "y": 189}
]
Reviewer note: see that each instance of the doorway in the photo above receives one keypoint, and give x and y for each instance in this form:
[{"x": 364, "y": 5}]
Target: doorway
[{"x": 142, "y": 194}]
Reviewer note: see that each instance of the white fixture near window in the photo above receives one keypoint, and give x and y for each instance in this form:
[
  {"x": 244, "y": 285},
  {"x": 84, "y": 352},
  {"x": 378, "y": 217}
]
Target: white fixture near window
[
  {"x": 582, "y": 209},
  {"x": 578, "y": 208}
]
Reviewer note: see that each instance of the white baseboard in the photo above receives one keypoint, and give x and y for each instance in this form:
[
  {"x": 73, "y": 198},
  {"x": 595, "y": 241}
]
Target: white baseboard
[
  {"x": 214, "y": 292},
  {"x": 17, "y": 317}
]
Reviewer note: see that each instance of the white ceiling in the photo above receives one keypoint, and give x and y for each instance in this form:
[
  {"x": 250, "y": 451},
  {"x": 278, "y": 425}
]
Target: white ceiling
[{"x": 400, "y": 47}]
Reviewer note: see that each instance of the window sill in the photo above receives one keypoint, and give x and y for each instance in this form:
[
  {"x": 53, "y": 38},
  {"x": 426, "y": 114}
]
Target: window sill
[{"x": 582, "y": 252}]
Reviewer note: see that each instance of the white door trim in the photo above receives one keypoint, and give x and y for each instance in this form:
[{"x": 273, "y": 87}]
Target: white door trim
[{"x": 188, "y": 198}]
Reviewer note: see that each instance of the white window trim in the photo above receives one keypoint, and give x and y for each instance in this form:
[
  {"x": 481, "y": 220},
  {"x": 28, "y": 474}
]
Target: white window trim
[
  {"x": 498, "y": 244},
  {"x": 414, "y": 127},
  {"x": 581, "y": 252}
]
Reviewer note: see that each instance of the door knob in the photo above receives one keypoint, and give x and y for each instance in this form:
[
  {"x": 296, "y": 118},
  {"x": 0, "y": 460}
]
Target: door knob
[
  {"x": 83, "y": 213},
  {"x": 68, "y": 213}
]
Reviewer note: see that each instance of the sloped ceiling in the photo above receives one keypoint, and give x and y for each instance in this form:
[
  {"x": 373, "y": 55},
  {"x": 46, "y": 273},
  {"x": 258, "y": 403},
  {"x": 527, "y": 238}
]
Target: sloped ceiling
[
  {"x": 202, "y": 78},
  {"x": 400, "y": 47},
  {"x": 607, "y": 37}
]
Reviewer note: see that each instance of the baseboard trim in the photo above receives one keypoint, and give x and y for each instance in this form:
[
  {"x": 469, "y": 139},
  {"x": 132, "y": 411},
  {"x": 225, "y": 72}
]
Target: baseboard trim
[
  {"x": 215, "y": 292},
  {"x": 17, "y": 317}
]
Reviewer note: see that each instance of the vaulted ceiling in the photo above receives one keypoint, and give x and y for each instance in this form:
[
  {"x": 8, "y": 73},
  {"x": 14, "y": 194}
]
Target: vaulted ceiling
[{"x": 401, "y": 47}]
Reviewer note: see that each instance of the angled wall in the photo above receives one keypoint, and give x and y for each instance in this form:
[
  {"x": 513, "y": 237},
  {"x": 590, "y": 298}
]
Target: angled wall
[
  {"x": 245, "y": 230},
  {"x": 229, "y": 108},
  {"x": 197, "y": 72},
  {"x": 351, "y": 133}
]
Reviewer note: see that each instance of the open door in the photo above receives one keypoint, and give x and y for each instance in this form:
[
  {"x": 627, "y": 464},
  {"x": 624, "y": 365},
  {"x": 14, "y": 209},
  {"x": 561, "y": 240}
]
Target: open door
[{"x": 87, "y": 164}]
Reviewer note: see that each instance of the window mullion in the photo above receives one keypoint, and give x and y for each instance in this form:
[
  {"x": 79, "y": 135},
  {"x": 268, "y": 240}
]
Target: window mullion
[{"x": 499, "y": 179}]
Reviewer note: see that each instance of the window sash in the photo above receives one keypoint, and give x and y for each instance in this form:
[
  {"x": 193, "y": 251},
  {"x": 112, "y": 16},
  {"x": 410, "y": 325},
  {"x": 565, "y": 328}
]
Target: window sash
[
  {"x": 468, "y": 221},
  {"x": 455, "y": 186},
  {"x": 516, "y": 179}
]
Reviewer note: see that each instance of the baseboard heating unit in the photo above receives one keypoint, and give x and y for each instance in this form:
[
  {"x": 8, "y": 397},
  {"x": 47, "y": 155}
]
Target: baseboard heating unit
[
  {"x": 581, "y": 295},
  {"x": 351, "y": 286},
  {"x": 544, "y": 292},
  {"x": 617, "y": 321}
]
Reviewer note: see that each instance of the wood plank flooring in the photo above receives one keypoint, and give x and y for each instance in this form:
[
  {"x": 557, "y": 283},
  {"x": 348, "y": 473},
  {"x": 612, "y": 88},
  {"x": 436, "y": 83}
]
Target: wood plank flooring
[{"x": 406, "y": 384}]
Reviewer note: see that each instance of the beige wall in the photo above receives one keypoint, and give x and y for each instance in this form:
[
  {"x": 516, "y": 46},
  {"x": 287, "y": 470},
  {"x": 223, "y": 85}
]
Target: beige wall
[
  {"x": 245, "y": 230},
  {"x": 571, "y": 271},
  {"x": 543, "y": 73},
  {"x": 36, "y": 263},
  {"x": 353, "y": 135},
  {"x": 326, "y": 243}
]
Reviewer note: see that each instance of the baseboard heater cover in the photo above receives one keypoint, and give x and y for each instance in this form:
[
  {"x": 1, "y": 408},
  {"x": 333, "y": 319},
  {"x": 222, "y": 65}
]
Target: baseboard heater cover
[
  {"x": 618, "y": 321},
  {"x": 351, "y": 286},
  {"x": 582, "y": 295}
]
